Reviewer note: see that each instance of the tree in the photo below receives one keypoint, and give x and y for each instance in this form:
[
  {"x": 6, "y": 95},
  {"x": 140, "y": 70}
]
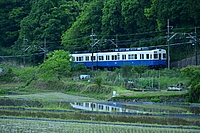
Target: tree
[
  {"x": 12, "y": 12},
  {"x": 98, "y": 81},
  {"x": 112, "y": 20},
  {"x": 139, "y": 69},
  {"x": 57, "y": 64},
  {"x": 78, "y": 35},
  {"x": 174, "y": 10},
  {"x": 193, "y": 72},
  {"x": 49, "y": 21},
  {"x": 194, "y": 9},
  {"x": 134, "y": 18}
]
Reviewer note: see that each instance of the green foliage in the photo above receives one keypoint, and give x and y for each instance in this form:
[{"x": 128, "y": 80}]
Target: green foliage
[
  {"x": 29, "y": 73},
  {"x": 48, "y": 21},
  {"x": 6, "y": 75},
  {"x": 174, "y": 10},
  {"x": 12, "y": 12},
  {"x": 71, "y": 23},
  {"x": 193, "y": 6},
  {"x": 58, "y": 63},
  {"x": 3, "y": 91},
  {"x": 80, "y": 68},
  {"x": 78, "y": 33},
  {"x": 155, "y": 99},
  {"x": 139, "y": 69},
  {"x": 125, "y": 71},
  {"x": 111, "y": 17},
  {"x": 193, "y": 72},
  {"x": 98, "y": 81}
]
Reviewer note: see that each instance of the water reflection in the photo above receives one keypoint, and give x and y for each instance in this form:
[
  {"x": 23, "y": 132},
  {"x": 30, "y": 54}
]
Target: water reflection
[{"x": 103, "y": 107}]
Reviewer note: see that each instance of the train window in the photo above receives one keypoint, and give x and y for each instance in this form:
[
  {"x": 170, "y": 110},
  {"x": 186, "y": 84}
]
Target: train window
[
  {"x": 130, "y": 56},
  {"x": 107, "y": 57},
  {"x": 155, "y": 56},
  {"x": 147, "y": 56},
  {"x": 93, "y": 57},
  {"x": 164, "y": 55},
  {"x": 93, "y": 105},
  {"x": 118, "y": 57},
  {"x": 80, "y": 58},
  {"x": 76, "y": 58},
  {"x": 100, "y": 57},
  {"x": 114, "y": 57},
  {"x": 73, "y": 58},
  {"x": 150, "y": 56},
  {"x": 141, "y": 56},
  {"x": 123, "y": 57},
  {"x": 87, "y": 58},
  {"x": 86, "y": 104},
  {"x": 101, "y": 107}
]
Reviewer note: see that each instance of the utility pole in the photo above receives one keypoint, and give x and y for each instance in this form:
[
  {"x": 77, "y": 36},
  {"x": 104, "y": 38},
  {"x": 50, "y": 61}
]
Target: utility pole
[
  {"x": 195, "y": 43},
  {"x": 116, "y": 42},
  {"x": 168, "y": 41},
  {"x": 24, "y": 42},
  {"x": 45, "y": 42},
  {"x": 93, "y": 44},
  {"x": 92, "y": 35}
]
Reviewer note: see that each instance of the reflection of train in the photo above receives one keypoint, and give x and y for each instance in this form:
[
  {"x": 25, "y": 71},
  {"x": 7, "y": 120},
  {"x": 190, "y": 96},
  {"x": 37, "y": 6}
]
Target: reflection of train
[
  {"x": 104, "y": 107},
  {"x": 120, "y": 57}
]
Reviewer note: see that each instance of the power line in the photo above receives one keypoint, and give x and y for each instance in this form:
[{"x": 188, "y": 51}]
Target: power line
[
  {"x": 105, "y": 35},
  {"x": 24, "y": 55}
]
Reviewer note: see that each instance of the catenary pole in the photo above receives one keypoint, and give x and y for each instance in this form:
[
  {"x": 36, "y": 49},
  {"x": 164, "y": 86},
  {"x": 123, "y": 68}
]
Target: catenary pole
[{"x": 168, "y": 57}]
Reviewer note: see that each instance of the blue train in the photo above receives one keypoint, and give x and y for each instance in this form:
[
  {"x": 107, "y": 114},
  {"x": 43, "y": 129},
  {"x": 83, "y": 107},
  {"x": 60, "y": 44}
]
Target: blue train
[{"x": 128, "y": 56}]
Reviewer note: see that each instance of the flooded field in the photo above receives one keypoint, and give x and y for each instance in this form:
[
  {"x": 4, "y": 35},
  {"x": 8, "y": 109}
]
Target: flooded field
[{"x": 67, "y": 113}]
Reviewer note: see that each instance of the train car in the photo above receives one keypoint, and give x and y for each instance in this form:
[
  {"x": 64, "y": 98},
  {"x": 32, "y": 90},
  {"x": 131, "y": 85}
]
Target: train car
[{"x": 151, "y": 58}]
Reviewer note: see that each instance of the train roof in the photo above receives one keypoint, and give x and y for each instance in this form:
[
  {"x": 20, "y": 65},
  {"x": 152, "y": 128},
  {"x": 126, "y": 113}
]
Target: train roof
[{"x": 116, "y": 50}]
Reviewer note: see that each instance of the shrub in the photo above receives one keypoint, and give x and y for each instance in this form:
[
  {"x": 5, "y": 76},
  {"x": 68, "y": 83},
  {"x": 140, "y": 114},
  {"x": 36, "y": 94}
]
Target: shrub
[
  {"x": 98, "y": 81},
  {"x": 6, "y": 75}
]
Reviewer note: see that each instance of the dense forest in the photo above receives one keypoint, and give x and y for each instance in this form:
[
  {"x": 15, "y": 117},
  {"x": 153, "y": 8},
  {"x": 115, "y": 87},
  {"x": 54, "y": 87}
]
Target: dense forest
[{"x": 37, "y": 26}]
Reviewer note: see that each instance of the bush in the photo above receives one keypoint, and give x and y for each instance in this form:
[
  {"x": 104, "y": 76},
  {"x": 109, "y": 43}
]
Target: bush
[
  {"x": 6, "y": 75},
  {"x": 98, "y": 81},
  {"x": 2, "y": 92}
]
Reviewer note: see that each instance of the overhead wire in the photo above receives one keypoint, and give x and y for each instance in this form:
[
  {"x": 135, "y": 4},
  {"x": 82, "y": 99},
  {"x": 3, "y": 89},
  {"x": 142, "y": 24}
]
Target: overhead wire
[{"x": 120, "y": 42}]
